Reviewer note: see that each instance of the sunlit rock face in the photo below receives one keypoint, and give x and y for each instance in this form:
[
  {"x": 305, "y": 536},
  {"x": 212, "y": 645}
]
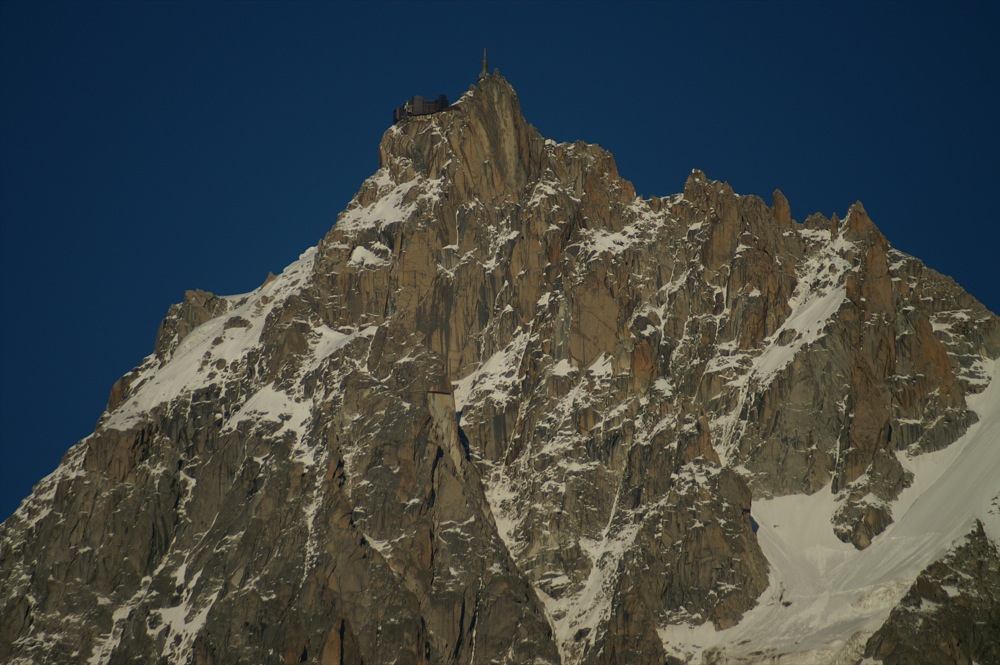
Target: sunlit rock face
[{"x": 508, "y": 411}]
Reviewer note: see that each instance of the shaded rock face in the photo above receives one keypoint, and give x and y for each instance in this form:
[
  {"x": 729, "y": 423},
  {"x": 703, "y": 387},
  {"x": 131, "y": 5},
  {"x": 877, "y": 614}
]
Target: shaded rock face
[
  {"x": 505, "y": 411},
  {"x": 951, "y": 614}
]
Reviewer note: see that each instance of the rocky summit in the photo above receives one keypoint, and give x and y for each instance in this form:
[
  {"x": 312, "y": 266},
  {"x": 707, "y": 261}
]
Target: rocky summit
[{"x": 508, "y": 411}]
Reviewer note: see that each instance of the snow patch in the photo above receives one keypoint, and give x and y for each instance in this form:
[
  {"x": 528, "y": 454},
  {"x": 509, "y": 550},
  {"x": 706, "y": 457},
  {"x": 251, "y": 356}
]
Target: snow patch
[
  {"x": 362, "y": 257},
  {"x": 215, "y": 343},
  {"x": 562, "y": 368},
  {"x": 394, "y": 204},
  {"x": 496, "y": 378}
]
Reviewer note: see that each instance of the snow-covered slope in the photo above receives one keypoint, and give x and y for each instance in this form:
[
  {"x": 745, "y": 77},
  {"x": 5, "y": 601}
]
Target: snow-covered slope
[{"x": 825, "y": 597}]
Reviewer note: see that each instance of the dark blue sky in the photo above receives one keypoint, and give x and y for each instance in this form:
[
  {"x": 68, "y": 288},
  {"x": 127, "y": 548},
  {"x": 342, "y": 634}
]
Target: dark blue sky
[{"x": 148, "y": 148}]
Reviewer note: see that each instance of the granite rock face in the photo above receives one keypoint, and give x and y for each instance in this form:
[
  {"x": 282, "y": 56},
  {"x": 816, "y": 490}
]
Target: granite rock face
[
  {"x": 951, "y": 614},
  {"x": 505, "y": 411}
]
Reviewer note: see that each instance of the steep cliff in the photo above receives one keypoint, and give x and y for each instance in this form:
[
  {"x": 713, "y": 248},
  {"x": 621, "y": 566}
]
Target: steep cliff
[{"x": 508, "y": 411}]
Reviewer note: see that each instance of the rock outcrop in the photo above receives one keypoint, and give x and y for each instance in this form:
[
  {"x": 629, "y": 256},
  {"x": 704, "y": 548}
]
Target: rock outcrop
[
  {"x": 951, "y": 614},
  {"x": 505, "y": 411}
]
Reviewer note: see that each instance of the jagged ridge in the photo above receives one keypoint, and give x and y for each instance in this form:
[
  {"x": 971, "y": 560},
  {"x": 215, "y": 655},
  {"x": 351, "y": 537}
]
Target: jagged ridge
[{"x": 287, "y": 476}]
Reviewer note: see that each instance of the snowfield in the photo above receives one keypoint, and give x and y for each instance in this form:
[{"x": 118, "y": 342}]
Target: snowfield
[{"x": 825, "y": 597}]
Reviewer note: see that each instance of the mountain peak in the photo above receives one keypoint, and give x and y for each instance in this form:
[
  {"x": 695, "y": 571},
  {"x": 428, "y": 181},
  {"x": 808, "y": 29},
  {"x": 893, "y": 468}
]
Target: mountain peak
[
  {"x": 507, "y": 410},
  {"x": 483, "y": 137}
]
